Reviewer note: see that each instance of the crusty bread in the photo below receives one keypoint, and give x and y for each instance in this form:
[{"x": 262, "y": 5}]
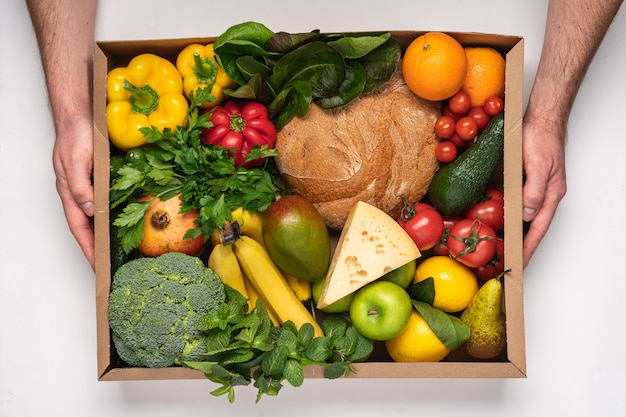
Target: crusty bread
[{"x": 375, "y": 149}]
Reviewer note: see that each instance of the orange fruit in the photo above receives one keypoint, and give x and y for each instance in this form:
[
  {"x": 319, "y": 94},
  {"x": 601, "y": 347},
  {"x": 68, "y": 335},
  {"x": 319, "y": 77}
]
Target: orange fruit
[
  {"x": 416, "y": 343},
  {"x": 455, "y": 284},
  {"x": 434, "y": 66},
  {"x": 485, "y": 74}
]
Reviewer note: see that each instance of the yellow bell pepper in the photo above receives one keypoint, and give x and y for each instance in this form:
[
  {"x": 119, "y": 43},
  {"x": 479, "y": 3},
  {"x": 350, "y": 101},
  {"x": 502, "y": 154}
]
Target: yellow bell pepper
[
  {"x": 148, "y": 92},
  {"x": 196, "y": 63}
]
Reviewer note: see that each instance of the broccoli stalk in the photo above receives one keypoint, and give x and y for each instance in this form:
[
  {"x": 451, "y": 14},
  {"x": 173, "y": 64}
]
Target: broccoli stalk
[{"x": 155, "y": 305}]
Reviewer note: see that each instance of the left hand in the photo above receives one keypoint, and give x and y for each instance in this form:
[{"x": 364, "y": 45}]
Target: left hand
[{"x": 545, "y": 185}]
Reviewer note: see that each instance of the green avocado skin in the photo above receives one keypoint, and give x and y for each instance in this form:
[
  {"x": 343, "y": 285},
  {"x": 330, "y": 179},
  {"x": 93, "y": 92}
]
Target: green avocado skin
[{"x": 459, "y": 184}]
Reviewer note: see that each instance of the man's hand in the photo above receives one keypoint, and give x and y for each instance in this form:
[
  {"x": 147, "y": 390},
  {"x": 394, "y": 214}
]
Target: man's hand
[
  {"x": 545, "y": 185},
  {"x": 73, "y": 163}
]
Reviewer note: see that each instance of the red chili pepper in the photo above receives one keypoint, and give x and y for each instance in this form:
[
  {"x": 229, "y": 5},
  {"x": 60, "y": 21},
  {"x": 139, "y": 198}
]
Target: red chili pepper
[{"x": 241, "y": 128}]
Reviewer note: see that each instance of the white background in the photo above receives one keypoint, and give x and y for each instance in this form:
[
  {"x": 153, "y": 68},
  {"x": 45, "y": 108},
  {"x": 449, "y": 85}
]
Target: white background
[{"x": 574, "y": 287}]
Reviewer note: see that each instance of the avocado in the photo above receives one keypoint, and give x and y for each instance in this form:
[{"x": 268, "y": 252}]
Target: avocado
[
  {"x": 297, "y": 238},
  {"x": 459, "y": 184}
]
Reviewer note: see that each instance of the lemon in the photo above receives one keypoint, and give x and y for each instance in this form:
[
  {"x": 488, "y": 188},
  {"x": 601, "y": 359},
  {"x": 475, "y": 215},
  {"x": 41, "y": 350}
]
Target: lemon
[
  {"x": 416, "y": 343},
  {"x": 455, "y": 284}
]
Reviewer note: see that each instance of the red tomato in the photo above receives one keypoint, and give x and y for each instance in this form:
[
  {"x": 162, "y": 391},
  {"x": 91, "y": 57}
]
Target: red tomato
[
  {"x": 495, "y": 266},
  {"x": 493, "y": 105},
  {"x": 423, "y": 223},
  {"x": 441, "y": 248},
  {"x": 482, "y": 118},
  {"x": 466, "y": 128},
  {"x": 489, "y": 209},
  {"x": 446, "y": 111},
  {"x": 460, "y": 102},
  {"x": 445, "y": 151},
  {"x": 445, "y": 126},
  {"x": 457, "y": 141},
  {"x": 472, "y": 242}
]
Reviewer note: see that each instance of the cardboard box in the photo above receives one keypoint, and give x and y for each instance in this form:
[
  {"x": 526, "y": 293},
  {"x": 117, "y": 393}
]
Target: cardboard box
[{"x": 511, "y": 364}]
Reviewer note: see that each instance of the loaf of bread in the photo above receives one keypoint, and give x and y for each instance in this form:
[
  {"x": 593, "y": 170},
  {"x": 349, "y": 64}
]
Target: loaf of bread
[{"x": 375, "y": 149}]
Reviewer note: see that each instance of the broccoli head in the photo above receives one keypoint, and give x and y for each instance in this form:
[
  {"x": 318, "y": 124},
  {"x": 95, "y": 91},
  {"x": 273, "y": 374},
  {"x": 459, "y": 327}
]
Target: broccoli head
[{"x": 155, "y": 305}]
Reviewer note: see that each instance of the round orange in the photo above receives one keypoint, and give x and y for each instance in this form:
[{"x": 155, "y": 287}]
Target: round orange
[
  {"x": 416, "y": 343},
  {"x": 434, "y": 66},
  {"x": 485, "y": 74}
]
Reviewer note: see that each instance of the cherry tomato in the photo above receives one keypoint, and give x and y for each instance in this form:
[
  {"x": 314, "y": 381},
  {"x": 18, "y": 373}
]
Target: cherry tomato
[
  {"x": 445, "y": 126},
  {"x": 445, "y": 151},
  {"x": 482, "y": 118},
  {"x": 423, "y": 223},
  {"x": 460, "y": 102},
  {"x": 472, "y": 242},
  {"x": 493, "y": 105},
  {"x": 466, "y": 128},
  {"x": 489, "y": 209},
  {"x": 457, "y": 141},
  {"x": 495, "y": 266},
  {"x": 446, "y": 111},
  {"x": 441, "y": 248}
]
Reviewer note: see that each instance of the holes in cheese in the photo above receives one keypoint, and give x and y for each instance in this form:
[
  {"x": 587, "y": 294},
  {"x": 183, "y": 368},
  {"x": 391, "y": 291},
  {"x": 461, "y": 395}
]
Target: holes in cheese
[{"x": 371, "y": 244}]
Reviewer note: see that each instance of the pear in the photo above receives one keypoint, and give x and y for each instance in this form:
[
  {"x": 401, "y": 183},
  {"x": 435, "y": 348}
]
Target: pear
[{"x": 486, "y": 321}]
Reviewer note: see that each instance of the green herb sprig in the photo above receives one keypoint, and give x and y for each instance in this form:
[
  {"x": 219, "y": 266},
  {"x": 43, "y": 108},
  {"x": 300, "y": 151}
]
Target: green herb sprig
[
  {"x": 205, "y": 176},
  {"x": 244, "y": 349}
]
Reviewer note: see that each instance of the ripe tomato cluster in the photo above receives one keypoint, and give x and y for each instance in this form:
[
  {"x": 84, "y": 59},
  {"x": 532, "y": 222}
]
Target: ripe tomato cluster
[
  {"x": 474, "y": 239},
  {"x": 459, "y": 124}
]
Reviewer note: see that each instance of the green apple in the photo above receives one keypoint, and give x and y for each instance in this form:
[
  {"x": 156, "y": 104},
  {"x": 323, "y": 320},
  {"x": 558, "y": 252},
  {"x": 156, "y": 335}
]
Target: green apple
[
  {"x": 380, "y": 310},
  {"x": 340, "y": 306},
  {"x": 402, "y": 276}
]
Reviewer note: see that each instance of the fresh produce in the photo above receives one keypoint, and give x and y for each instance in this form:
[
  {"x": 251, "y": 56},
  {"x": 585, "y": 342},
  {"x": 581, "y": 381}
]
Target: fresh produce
[
  {"x": 380, "y": 310},
  {"x": 459, "y": 184},
  {"x": 147, "y": 93},
  {"x": 240, "y": 127},
  {"x": 434, "y": 66},
  {"x": 297, "y": 238},
  {"x": 441, "y": 248},
  {"x": 224, "y": 263},
  {"x": 466, "y": 128},
  {"x": 242, "y": 350},
  {"x": 165, "y": 228},
  {"x": 371, "y": 244},
  {"x": 196, "y": 64},
  {"x": 495, "y": 266},
  {"x": 340, "y": 306},
  {"x": 493, "y": 105},
  {"x": 402, "y": 276},
  {"x": 429, "y": 336},
  {"x": 444, "y": 283},
  {"x": 302, "y": 289},
  {"x": 288, "y": 71},
  {"x": 178, "y": 162},
  {"x": 422, "y": 223},
  {"x": 486, "y": 320},
  {"x": 489, "y": 209},
  {"x": 446, "y": 151},
  {"x": 248, "y": 223},
  {"x": 154, "y": 308},
  {"x": 472, "y": 242},
  {"x": 271, "y": 284},
  {"x": 485, "y": 74}
]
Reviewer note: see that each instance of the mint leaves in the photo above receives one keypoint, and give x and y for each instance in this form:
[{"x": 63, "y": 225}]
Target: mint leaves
[{"x": 244, "y": 349}]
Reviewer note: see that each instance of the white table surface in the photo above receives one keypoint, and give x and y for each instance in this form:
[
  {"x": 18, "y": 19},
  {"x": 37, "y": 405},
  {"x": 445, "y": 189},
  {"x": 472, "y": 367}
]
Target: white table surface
[{"x": 574, "y": 287}]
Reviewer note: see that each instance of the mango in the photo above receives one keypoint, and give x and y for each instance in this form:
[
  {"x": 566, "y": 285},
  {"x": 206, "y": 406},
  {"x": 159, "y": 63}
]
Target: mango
[{"x": 297, "y": 238}]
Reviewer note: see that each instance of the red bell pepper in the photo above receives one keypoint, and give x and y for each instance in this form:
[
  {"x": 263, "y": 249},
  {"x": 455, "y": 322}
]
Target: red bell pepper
[{"x": 241, "y": 128}]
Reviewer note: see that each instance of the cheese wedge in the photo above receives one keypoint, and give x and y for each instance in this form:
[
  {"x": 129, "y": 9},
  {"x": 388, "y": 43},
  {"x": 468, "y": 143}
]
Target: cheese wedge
[{"x": 371, "y": 244}]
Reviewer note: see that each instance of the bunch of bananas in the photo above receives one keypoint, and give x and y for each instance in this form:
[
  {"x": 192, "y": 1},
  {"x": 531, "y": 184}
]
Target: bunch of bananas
[{"x": 246, "y": 266}]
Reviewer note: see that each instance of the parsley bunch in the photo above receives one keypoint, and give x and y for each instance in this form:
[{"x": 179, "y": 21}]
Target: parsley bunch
[
  {"x": 242, "y": 349},
  {"x": 205, "y": 176}
]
